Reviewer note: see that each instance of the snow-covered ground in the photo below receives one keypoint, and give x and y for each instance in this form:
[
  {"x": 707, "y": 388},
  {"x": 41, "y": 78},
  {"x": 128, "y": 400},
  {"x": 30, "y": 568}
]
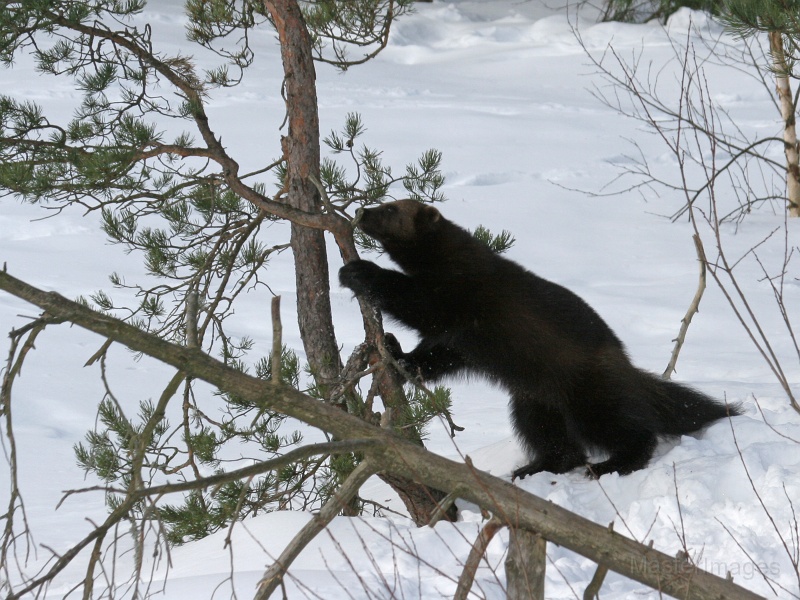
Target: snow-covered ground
[{"x": 500, "y": 88}]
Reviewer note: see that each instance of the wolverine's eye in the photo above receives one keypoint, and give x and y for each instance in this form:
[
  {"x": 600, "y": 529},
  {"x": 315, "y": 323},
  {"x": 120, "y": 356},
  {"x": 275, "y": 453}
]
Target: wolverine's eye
[{"x": 391, "y": 209}]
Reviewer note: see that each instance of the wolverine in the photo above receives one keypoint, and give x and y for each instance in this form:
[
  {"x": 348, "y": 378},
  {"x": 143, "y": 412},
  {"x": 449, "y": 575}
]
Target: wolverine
[{"x": 573, "y": 389}]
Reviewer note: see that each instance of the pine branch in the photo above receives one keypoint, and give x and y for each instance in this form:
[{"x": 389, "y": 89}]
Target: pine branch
[{"x": 393, "y": 456}]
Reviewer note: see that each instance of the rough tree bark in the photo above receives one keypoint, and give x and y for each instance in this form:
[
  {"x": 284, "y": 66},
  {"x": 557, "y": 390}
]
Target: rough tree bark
[
  {"x": 786, "y": 103},
  {"x": 302, "y": 151}
]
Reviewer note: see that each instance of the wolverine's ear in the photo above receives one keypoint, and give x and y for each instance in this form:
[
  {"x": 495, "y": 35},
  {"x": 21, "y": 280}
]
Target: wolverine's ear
[{"x": 432, "y": 215}]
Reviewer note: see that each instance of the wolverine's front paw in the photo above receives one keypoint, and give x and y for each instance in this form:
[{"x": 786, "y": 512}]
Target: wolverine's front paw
[
  {"x": 357, "y": 276},
  {"x": 401, "y": 358},
  {"x": 393, "y": 346}
]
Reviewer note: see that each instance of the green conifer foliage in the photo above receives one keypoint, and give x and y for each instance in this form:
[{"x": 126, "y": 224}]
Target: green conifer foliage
[
  {"x": 780, "y": 21},
  {"x": 141, "y": 151}
]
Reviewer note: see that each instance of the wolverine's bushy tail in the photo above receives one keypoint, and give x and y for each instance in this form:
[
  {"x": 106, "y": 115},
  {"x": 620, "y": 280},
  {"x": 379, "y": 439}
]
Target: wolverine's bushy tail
[{"x": 682, "y": 409}]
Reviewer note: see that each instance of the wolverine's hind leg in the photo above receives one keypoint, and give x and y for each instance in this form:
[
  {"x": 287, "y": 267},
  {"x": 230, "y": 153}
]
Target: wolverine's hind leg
[
  {"x": 632, "y": 456},
  {"x": 543, "y": 431}
]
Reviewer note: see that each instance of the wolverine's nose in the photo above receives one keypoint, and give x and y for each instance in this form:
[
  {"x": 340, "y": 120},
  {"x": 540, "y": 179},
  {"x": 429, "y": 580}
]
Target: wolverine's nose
[{"x": 357, "y": 218}]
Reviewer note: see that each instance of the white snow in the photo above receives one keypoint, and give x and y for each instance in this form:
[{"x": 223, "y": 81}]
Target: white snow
[{"x": 500, "y": 88}]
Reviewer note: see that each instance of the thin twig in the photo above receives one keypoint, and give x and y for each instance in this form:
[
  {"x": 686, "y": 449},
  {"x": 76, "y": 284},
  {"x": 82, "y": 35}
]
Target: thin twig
[
  {"x": 15, "y": 360},
  {"x": 694, "y": 307},
  {"x": 216, "y": 481}
]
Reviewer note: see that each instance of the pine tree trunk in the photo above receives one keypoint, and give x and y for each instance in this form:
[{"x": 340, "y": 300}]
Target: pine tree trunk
[
  {"x": 302, "y": 151},
  {"x": 789, "y": 129}
]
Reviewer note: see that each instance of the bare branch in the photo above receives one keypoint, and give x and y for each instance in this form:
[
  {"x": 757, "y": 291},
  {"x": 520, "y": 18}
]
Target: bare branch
[
  {"x": 476, "y": 553},
  {"x": 397, "y": 456},
  {"x": 16, "y": 358},
  {"x": 694, "y": 307},
  {"x": 273, "y": 577}
]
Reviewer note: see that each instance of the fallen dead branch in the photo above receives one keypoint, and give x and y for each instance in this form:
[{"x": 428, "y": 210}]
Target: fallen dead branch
[{"x": 393, "y": 455}]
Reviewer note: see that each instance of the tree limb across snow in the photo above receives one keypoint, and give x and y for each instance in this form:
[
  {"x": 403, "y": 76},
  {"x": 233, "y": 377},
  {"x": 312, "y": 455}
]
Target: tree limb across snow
[{"x": 672, "y": 576}]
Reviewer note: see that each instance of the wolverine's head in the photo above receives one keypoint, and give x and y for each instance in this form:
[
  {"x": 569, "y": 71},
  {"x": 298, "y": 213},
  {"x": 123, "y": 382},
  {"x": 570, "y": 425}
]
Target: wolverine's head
[{"x": 400, "y": 222}]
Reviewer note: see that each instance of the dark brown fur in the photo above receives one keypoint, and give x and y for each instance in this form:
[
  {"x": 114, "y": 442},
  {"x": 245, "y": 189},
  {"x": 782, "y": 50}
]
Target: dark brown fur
[{"x": 572, "y": 387}]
